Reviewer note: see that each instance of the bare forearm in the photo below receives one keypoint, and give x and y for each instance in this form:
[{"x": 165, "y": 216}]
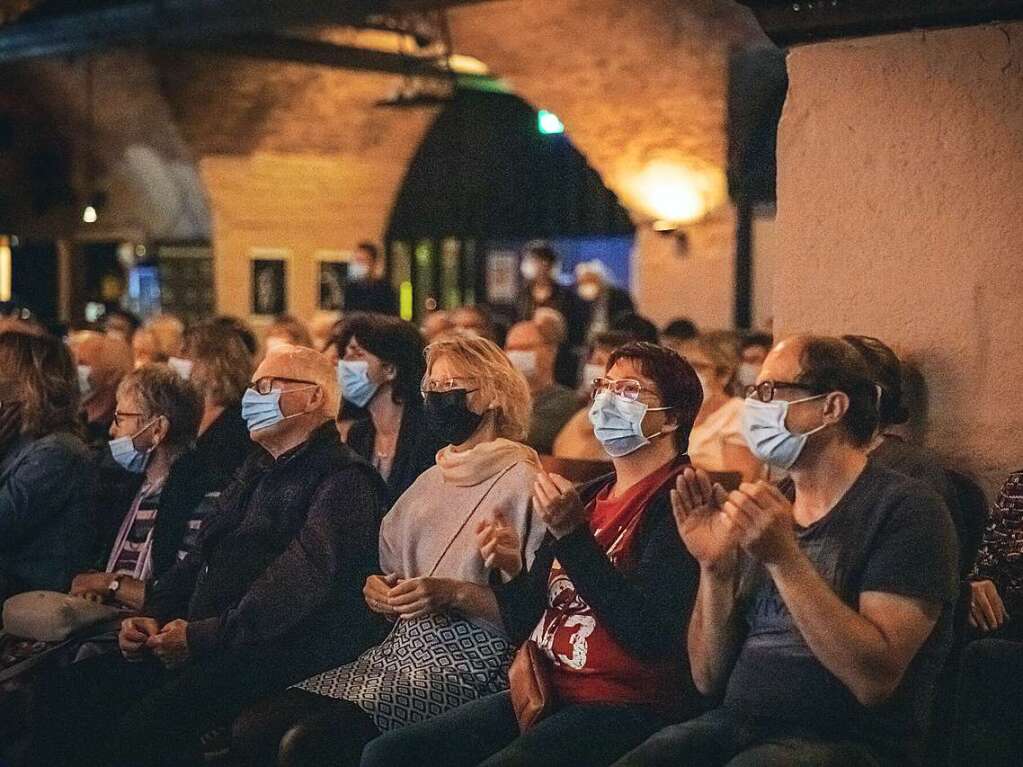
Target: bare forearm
[
  {"x": 847, "y": 644},
  {"x": 473, "y": 600},
  {"x": 713, "y": 637}
]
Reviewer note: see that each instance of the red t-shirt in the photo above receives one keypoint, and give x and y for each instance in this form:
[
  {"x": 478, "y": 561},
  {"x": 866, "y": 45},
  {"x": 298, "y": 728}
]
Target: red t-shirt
[{"x": 589, "y": 664}]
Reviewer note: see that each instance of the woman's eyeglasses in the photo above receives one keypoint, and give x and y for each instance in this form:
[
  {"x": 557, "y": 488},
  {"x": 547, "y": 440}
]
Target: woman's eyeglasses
[
  {"x": 629, "y": 388},
  {"x": 446, "y": 384}
]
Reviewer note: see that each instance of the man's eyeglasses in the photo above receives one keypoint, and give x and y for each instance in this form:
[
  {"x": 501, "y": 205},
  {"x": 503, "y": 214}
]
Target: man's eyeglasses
[
  {"x": 266, "y": 385},
  {"x": 629, "y": 388},
  {"x": 765, "y": 390},
  {"x": 120, "y": 416},
  {"x": 446, "y": 384}
]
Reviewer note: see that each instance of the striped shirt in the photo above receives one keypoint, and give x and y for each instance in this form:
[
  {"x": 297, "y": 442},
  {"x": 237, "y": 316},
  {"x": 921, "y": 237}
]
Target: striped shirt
[{"x": 132, "y": 552}]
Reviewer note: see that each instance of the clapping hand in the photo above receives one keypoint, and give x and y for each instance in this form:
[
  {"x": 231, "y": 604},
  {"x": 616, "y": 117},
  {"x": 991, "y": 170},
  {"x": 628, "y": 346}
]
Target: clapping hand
[
  {"x": 499, "y": 545},
  {"x": 703, "y": 524},
  {"x": 558, "y": 504}
]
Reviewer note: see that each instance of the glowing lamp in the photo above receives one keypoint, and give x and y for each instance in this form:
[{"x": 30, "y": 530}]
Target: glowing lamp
[{"x": 548, "y": 123}]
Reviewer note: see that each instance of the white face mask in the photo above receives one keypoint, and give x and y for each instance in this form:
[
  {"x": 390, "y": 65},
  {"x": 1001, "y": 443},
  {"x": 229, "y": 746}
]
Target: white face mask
[
  {"x": 524, "y": 362},
  {"x": 530, "y": 269},
  {"x": 357, "y": 271}
]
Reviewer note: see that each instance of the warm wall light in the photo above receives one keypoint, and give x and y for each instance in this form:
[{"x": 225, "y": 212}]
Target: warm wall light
[
  {"x": 674, "y": 192},
  {"x": 5, "y": 269}
]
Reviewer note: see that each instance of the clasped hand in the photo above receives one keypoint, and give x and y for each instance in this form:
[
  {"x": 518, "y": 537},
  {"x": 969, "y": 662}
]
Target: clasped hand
[
  {"x": 169, "y": 644},
  {"x": 409, "y": 598},
  {"x": 714, "y": 524}
]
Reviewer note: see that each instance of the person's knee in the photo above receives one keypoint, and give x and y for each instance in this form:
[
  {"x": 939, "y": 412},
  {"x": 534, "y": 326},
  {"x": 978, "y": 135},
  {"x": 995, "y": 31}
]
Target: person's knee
[
  {"x": 391, "y": 750},
  {"x": 319, "y": 741}
]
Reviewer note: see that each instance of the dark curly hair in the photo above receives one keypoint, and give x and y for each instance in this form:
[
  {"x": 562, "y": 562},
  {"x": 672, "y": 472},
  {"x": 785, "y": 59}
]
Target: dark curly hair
[
  {"x": 40, "y": 374},
  {"x": 677, "y": 382},
  {"x": 395, "y": 342},
  {"x": 886, "y": 370}
]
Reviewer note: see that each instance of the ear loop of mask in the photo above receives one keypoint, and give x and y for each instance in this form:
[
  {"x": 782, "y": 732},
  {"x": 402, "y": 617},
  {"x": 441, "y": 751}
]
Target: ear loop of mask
[{"x": 295, "y": 415}]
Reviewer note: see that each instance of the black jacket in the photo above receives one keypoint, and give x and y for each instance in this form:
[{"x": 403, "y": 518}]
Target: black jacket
[
  {"x": 646, "y": 608},
  {"x": 416, "y": 449},
  {"x": 207, "y": 468},
  {"x": 284, "y": 557}
]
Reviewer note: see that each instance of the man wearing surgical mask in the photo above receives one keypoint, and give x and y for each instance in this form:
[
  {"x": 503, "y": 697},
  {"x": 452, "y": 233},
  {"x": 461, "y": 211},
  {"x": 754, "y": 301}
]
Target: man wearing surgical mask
[
  {"x": 823, "y": 620},
  {"x": 533, "y": 355},
  {"x": 602, "y": 301},
  {"x": 365, "y": 291},
  {"x": 272, "y": 596}
]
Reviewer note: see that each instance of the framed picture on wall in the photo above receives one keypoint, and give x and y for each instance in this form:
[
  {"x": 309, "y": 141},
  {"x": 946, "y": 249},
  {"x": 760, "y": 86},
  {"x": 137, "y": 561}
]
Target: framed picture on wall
[
  {"x": 269, "y": 282},
  {"x": 331, "y": 278}
]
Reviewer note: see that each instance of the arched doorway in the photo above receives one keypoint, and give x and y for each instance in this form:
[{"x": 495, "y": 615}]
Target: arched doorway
[{"x": 485, "y": 180}]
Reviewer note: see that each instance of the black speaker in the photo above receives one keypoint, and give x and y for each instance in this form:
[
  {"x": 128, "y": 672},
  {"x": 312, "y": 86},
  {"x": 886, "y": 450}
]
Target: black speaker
[
  {"x": 757, "y": 83},
  {"x": 789, "y": 22}
]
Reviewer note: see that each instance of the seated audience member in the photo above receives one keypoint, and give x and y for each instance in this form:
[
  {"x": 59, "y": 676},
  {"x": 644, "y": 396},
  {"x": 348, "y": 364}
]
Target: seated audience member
[
  {"x": 607, "y": 597},
  {"x": 890, "y": 449},
  {"x": 382, "y": 372},
  {"x": 997, "y": 578},
  {"x": 753, "y": 349},
  {"x": 102, "y": 362},
  {"x": 220, "y": 367},
  {"x": 988, "y": 726},
  {"x": 160, "y": 339},
  {"x": 717, "y": 443},
  {"x": 366, "y": 291},
  {"x": 576, "y": 438},
  {"x": 120, "y": 324},
  {"x": 435, "y": 325},
  {"x": 321, "y": 330},
  {"x": 553, "y": 404},
  {"x": 155, "y": 423},
  {"x": 823, "y": 622},
  {"x": 448, "y": 646},
  {"x": 286, "y": 330},
  {"x": 272, "y": 595},
  {"x": 555, "y": 331},
  {"x": 600, "y": 300},
  {"x": 46, "y": 471},
  {"x": 677, "y": 332},
  {"x": 474, "y": 320},
  {"x": 241, "y": 329},
  {"x": 637, "y": 326}
]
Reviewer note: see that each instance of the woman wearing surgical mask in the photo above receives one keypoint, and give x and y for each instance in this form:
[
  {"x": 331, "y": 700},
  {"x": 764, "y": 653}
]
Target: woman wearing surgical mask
[
  {"x": 449, "y": 643},
  {"x": 717, "y": 443},
  {"x": 155, "y": 423},
  {"x": 381, "y": 372},
  {"x": 606, "y": 600}
]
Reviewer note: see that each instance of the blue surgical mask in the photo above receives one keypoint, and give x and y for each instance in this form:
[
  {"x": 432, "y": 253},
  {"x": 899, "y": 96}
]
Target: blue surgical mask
[
  {"x": 85, "y": 381},
  {"x": 261, "y": 411},
  {"x": 181, "y": 366},
  {"x": 127, "y": 455},
  {"x": 618, "y": 423},
  {"x": 353, "y": 376},
  {"x": 769, "y": 439}
]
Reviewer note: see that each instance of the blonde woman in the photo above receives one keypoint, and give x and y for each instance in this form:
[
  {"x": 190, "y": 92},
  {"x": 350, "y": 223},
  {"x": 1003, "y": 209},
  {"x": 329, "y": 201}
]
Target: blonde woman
[
  {"x": 448, "y": 644},
  {"x": 716, "y": 443}
]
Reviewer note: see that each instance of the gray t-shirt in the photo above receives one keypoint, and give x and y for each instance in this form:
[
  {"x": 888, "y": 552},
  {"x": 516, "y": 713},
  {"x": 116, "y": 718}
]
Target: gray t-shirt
[{"x": 888, "y": 533}]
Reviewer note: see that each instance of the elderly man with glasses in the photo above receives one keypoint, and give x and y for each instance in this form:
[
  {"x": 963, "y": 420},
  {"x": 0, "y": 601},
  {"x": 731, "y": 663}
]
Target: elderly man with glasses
[
  {"x": 822, "y": 620},
  {"x": 273, "y": 595}
]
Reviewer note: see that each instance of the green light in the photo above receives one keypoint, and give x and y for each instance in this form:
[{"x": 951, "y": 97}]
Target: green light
[
  {"x": 548, "y": 123},
  {"x": 405, "y": 300}
]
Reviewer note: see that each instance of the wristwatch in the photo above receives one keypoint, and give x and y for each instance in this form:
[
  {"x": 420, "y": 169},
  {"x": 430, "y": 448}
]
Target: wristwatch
[{"x": 115, "y": 584}]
